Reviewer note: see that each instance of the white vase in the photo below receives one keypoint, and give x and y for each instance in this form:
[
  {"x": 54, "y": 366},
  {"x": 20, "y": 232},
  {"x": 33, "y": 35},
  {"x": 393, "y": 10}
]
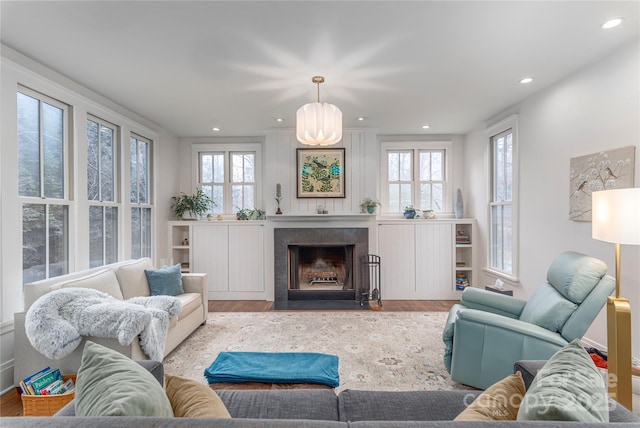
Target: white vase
[{"x": 459, "y": 205}]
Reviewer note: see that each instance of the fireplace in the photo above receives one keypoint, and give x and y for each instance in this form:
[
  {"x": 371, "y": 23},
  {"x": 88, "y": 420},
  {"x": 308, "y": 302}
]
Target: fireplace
[{"x": 320, "y": 263}]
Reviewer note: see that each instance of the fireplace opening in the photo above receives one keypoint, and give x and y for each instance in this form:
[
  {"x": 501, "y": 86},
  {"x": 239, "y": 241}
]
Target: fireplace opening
[{"x": 321, "y": 272}]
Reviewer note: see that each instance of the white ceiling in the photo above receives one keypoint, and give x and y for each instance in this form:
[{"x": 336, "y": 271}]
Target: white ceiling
[{"x": 238, "y": 65}]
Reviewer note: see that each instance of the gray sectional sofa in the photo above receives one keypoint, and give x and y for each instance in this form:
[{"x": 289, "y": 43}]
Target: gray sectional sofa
[{"x": 323, "y": 408}]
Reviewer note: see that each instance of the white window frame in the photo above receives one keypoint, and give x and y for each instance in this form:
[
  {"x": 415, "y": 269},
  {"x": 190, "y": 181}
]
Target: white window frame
[
  {"x": 416, "y": 147},
  {"x": 116, "y": 202},
  {"x": 41, "y": 199},
  {"x": 145, "y": 205},
  {"x": 228, "y": 149},
  {"x": 498, "y": 129}
]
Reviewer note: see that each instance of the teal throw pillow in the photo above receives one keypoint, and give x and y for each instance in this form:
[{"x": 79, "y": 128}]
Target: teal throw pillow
[
  {"x": 111, "y": 384},
  {"x": 166, "y": 281},
  {"x": 568, "y": 388}
]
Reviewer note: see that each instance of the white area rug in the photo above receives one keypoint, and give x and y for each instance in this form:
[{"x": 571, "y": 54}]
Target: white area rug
[{"x": 391, "y": 351}]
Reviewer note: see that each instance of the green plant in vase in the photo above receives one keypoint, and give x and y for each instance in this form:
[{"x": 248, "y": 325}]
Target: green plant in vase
[
  {"x": 369, "y": 205},
  {"x": 197, "y": 205},
  {"x": 409, "y": 211}
]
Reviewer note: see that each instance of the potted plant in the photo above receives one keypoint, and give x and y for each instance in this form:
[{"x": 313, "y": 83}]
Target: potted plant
[
  {"x": 257, "y": 214},
  {"x": 243, "y": 213},
  {"x": 409, "y": 211},
  {"x": 197, "y": 205},
  {"x": 369, "y": 205}
]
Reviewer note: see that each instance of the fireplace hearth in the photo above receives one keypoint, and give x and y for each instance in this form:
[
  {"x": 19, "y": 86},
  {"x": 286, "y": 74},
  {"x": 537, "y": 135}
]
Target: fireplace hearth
[{"x": 319, "y": 264}]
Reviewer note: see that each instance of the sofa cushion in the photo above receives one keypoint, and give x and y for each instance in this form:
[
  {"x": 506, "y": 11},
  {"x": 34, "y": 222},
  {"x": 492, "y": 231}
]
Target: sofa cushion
[
  {"x": 110, "y": 384},
  {"x": 312, "y": 404},
  {"x": 403, "y": 405},
  {"x": 500, "y": 402},
  {"x": 103, "y": 280},
  {"x": 165, "y": 282},
  {"x": 569, "y": 388},
  {"x": 548, "y": 309},
  {"x": 191, "y": 399},
  {"x": 190, "y": 302},
  {"x": 133, "y": 281}
]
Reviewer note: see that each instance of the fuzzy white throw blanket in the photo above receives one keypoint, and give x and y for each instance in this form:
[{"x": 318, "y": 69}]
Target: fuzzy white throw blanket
[{"x": 56, "y": 322}]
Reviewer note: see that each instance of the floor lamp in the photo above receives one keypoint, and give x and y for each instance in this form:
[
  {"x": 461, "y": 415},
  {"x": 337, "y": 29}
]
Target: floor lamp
[{"x": 616, "y": 219}]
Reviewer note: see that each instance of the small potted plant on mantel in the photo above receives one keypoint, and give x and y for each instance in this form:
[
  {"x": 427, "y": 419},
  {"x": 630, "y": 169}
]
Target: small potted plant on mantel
[
  {"x": 191, "y": 207},
  {"x": 369, "y": 205},
  {"x": 409, "y": 211}
]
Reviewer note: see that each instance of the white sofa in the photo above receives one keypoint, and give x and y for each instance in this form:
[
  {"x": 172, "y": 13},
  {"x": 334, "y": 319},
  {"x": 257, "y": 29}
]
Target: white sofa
[{"x": 122, "y": 280}]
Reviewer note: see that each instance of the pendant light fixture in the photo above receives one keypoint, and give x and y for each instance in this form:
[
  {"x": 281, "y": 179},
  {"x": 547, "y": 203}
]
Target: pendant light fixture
[{"x": 319, "y": 124}]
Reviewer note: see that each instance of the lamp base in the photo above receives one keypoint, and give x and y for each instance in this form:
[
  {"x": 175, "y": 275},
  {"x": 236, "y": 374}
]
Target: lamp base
[{"x": 619, "y": 350}]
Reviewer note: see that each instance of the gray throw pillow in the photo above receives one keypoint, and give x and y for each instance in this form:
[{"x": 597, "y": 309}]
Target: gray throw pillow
[
  {"x": 568, "y": 388},
  {"x": 110, "y": 384},
  {"x": 166, "y": 281}
]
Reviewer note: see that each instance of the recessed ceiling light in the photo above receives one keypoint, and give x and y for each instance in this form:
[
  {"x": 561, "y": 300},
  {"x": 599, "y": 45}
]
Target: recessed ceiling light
[
  {"x": 279, "y": 119},
  {"x": 426, "y": 126},
  {"x": 526, "y": 80},
  {"x": 360, "y": 118},
  {"x": 215, "y": 128},
  {"x": 612, "y": 23}
]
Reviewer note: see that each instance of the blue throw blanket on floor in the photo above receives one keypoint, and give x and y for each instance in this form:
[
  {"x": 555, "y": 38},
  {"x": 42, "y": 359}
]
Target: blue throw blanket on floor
[{"x": 274, "y": 367}]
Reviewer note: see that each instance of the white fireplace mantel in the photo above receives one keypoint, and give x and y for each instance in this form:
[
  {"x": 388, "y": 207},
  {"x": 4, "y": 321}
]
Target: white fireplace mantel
[{"x": 320, "y": 217}]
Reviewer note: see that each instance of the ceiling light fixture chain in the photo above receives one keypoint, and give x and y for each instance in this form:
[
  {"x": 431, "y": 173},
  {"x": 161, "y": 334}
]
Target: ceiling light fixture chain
[{"x": 318, "y": 124}]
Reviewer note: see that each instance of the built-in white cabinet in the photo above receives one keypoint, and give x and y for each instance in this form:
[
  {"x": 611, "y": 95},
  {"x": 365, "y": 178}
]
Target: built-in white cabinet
[
  {"x": 419, "y": 259},
  {"x": 232, "y": 256},
  {"x": 180, "y": 244}
]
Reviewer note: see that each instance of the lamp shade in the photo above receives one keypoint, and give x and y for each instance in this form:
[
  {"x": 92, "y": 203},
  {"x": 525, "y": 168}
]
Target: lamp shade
[
  {"x": 615, "y": 216},
  {"x": 319, "y": 124}
]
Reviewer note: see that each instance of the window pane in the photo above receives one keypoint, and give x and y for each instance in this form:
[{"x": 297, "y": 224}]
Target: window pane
[
  {"x": 145, "y": 224},
  {"x": 406, "y": 197},
  {"x": 28, "y": 146},
  {"x": 96, "y": 236},
  {"x": 425, "y": 166},
  {"x": 93, "y": 193},
  {"x": 437, "y": 166},
  {"x": 394, "y": 166},
  {"x": 143, "y": 172},
  {"x": 425, "y": 197},
  {"x": 237, "y": 168},
  {"x": 135, "y": 233},
  {"x": 53, "y": 151},
  {"x": 236, "y": 197},
  {"x": 218, "y": 168},
  {"x": 405, "y": 166},
  {"x": 218, "y": 198},
  {"x": 133, "y": 169},
  {"x": 501, "y": 238},
  {"x": 206, "y": 168},
  {"x": 508, "y": 167},
  {"x": 106, "y": 164},
  {"x": 249, "y": 169},
  {"x": 394, "y": 198},
  {"x": 499, "y": 178},
  {"x": 34, "y": 241},
  {"x": 58, "y": 242},
  {"x": 248, "y": 200},
  {"x": 437, "y": 196},
  {"x": 110, "y": 235}
]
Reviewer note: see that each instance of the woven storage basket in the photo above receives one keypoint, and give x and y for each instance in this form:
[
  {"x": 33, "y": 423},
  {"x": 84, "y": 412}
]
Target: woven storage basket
[{"x": 46, "y": 405}]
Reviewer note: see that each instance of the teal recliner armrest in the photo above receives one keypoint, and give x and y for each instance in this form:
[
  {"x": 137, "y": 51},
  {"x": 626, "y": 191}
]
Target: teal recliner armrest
[{"x": 483, "y": 300}]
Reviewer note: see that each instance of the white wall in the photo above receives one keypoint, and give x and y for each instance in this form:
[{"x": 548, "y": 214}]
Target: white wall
[{"x": 593, "y": 110}]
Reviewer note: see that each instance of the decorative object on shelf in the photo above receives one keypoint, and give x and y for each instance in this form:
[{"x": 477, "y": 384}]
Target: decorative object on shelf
[
  {"x": 278, "y": 197},
  {"x": 459, "y": 206},
  {"x": 429, "y": 214},
  {"x": 185, "y": 241},
  {"x": 318, "y": 124},
  {"x": 320, "y": 173},
  {"x": 320, "y": 209},
  {"x": 409, "y": 211},
  {"x": 369, "y": 205},
  {"x": 598, "y": 171},
  {"x": 210, "y": 217},
  {"x": 616, "y": 219},
  {"x": 257, "y": 214},
  {"x": 219, "y": 217},
  {"x": 462, "y": 238},
  {"x": 243, "y": 214},
  {"x": 462, "y": 281},
  {"x": 196, "y": 205}
]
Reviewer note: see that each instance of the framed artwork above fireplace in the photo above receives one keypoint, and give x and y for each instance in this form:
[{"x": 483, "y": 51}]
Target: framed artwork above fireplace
[{"x": 320, "y": 173}]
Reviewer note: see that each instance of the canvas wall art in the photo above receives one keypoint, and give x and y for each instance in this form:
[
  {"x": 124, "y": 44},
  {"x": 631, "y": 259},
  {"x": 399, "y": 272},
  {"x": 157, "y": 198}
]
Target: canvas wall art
[
  {"x": 612, "y": 169},
  {"x": 320, "y": 173}
]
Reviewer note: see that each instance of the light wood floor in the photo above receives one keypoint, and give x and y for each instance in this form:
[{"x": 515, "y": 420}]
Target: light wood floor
[{"x": 10, "y": 404}]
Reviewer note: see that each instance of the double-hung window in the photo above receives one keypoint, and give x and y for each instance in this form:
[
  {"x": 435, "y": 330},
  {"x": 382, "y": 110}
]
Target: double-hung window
[
  {"x": 229, "y": 176},
  {"x": 140, "y": 155},
  {"x": 416, "y": 175},
  {"x": 43, "y": 185},
  {"x": 102, "y": 192},
  {"x": 502, "y": 206}
]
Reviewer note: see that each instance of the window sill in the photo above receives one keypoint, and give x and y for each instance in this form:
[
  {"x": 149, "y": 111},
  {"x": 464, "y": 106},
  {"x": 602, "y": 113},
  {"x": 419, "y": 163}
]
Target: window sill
[{"x": 509, "y": 280}]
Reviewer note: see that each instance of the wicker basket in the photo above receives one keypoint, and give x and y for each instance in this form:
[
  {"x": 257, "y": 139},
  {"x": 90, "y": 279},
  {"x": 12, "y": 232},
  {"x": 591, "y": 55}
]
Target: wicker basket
[{"x": 46, "y": 405}]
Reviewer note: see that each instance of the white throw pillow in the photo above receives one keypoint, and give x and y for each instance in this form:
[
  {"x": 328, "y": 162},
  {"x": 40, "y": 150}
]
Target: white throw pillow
[{"x": 103, "y": 280}]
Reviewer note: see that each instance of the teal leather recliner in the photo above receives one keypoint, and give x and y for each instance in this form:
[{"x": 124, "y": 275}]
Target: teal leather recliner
[{"x": 488, "y": 332}]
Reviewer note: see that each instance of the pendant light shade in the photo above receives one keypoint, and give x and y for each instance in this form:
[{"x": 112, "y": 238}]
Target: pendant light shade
[{"x": 319, "y": 124}]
